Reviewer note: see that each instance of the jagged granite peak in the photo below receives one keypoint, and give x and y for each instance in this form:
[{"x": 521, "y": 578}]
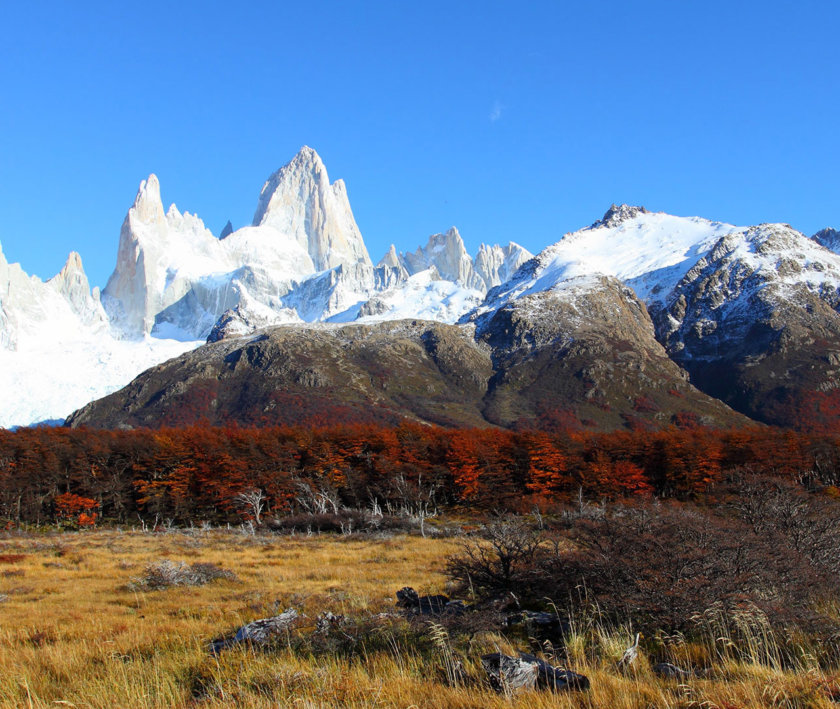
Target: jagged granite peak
[
  {"x": 147, "y": 278},
  {"x": 227, "y": 230},
  {"x": 148, "y": 206},
  {"x": 72, "y": 284},
  {"x": 299, "y": 202},
  {"x": 427, "y": 295},
  {"x": 497, "y": 264},
  {"x": 830, "y": 238},
  {"x": 56, "y": 346},
  {"x": 34, "y": 311},
  {"x": 447, "y": 253},
  {"x": 391, "y": 258},
  {"x": 618, "y": 214}
]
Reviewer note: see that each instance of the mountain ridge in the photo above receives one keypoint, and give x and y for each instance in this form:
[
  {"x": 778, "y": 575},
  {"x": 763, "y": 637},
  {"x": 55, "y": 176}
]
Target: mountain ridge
[{"x": 748, "y": 314}]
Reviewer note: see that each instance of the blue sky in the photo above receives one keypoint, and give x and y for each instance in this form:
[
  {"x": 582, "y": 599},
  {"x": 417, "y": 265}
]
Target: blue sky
[{"x": 512, "y": 121}]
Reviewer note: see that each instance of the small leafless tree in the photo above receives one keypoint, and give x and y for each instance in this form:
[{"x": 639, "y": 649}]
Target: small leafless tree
[
  {"x": 254, "y": 501},
  {"x": 317, "y": 500}
]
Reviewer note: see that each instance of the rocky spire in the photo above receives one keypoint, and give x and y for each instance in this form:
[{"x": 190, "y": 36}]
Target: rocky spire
[
  {"x": 72, "y": 284},
  {"x": 446, "y": 252},
  {"x": 391, "y": 259},
  {"x": 299, "y": 201},
  {"x": 130, "y": 291},
  {"x": 496, "y": 264}
]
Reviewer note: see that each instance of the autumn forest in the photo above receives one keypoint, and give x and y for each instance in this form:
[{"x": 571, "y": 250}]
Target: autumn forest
[{"x": 196, "y": 474}]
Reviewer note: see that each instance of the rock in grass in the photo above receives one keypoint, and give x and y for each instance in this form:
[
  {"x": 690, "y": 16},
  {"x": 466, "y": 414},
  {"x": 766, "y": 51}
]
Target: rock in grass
[
  {"x": 411, "y": 601},
  {"x": 669, "y": 671},
  {"x": 508, "y": 674},
  {"x": 328, "y": 621},
  {"x": 555, "y": 679},
  {"x": 258, "y": 632},
  {"x": 512, "y": 674}
]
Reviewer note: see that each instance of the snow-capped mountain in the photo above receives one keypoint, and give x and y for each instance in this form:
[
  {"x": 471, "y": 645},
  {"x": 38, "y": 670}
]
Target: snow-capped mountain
[
  {"x": 57, "y": 349},
  {"x": 440, "y": 281},
  {"x": 302, "y": 259},
  {"x": 726, "y": 301},
  {"x": 749, "y": 312},
  {"x": 31, "y": 310},
  {"x": 447, "y": 254},
  {"x": 299, "y": 202}
]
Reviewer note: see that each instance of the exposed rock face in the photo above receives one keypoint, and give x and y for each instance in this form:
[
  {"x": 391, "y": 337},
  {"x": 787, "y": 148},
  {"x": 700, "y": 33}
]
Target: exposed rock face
[
  {"x": 751, "y": 313},
  {"x": 159, "y": 258},
  {"x": 755, "y": 322},
  {"x": 174, "y": 277},
  {"x": 392, "y": 259},
  {"x": 497, "y": 264},
  {"x": 299, "y": 201},
  {"x": 298, "y": 374},
  {"x": 72, "y": 284},
  {"x": 585, "y": 351},
  {"x": 304, "y": 254},
  {"x": 440, "y": 281},
  {"x": 447, "y": 254},
  {"x": 829, "y": 238},
  {"x": 227, "y": 230},
  {"x": 617, "y": 214}
]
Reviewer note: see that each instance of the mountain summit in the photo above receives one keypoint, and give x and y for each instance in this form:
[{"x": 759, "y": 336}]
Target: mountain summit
[{"x": 299, "y": 201}]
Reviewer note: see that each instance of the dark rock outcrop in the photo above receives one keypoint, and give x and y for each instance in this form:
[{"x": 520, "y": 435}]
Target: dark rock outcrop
[
  {"x": 758, "y": 338},
  {"x": 409, "y": 600}
]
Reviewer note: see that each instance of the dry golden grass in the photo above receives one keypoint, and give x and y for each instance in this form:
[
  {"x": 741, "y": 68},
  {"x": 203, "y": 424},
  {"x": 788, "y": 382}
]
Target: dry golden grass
[{"x": 73, "y": 632}]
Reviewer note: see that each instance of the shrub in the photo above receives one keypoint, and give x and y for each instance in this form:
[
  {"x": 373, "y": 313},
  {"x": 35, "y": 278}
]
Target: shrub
[
  {"x": 661, "y": 566},
  {"x": 166, "y": 573}
]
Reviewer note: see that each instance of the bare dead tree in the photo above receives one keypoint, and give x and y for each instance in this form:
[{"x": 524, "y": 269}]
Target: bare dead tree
[{"x": 252, "y": 499}]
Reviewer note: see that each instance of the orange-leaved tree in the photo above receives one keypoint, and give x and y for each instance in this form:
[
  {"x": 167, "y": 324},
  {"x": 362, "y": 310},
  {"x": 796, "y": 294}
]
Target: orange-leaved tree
[{"x": 70, "y": 507}]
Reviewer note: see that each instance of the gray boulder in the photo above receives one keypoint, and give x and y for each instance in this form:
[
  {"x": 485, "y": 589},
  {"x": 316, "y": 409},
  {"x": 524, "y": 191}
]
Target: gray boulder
[
  {"x": 509, "y": 675},
  {"x": 555, "y": 678},
  {"x": 258, "y": 632}
]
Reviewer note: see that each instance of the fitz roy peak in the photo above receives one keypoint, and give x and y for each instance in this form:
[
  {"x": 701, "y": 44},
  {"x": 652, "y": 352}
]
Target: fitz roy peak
[
  {"x": 300, "y": 203},
  {"x": 302, "y": 260},
  {"x": 175, "y": 284}
]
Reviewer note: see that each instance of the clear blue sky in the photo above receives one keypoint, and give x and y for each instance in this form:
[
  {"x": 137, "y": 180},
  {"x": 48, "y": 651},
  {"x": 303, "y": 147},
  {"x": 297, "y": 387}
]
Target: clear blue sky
[{"x": 510, "y": 120}]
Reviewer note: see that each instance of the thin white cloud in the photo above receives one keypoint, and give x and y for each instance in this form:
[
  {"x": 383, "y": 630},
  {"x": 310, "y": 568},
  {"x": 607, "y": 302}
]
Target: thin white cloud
[{"x": 496, "y": 111}]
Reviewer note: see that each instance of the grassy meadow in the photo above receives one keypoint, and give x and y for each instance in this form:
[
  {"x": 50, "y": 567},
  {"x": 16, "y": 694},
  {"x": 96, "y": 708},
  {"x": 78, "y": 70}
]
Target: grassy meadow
[{"x": 78, "y": 630}]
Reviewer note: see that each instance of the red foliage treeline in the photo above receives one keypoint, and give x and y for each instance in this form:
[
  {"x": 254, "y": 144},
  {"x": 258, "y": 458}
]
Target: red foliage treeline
[{"x": 196, "y": 473}]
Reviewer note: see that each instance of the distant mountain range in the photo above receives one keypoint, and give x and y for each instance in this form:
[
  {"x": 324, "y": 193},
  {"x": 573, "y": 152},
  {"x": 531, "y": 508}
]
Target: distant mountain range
[{"x": 641, "y": 319}]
